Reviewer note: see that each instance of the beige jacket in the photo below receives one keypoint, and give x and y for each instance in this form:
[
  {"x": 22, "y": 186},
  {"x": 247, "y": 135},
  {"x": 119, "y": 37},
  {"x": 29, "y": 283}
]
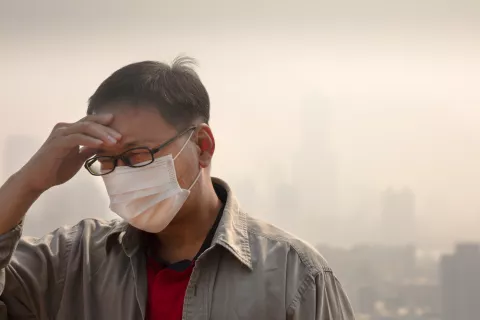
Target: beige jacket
[{"x": 96, "y": 270}]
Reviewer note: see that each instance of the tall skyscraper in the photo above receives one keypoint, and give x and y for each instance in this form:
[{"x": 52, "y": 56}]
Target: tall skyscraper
[
  {"x": 398, "y": 217},
  {"x": 285, "y": 207},
  {"x": 460, "y": 282},
  {"x": 315, "y": 173}
]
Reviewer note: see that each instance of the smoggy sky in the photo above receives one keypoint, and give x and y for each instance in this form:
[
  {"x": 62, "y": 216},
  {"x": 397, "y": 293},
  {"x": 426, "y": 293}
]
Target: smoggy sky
[{"x": 338, "y": 99}]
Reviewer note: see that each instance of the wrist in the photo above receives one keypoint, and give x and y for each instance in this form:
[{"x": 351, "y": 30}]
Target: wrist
[{"x": 23, "y": 183}]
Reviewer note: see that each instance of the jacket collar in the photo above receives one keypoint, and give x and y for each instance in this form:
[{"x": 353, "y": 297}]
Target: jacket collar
[{"x": 231, "y": 233}]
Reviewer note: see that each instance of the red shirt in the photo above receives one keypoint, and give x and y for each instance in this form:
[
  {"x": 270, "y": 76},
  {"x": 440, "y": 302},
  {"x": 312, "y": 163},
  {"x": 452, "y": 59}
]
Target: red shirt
[
  {"x": 167, "y": 283},
  {"x": 166, "y": 290}
]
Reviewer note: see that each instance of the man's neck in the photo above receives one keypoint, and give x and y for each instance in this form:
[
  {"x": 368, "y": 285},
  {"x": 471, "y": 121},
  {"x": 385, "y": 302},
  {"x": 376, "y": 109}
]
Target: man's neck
[{"x": 183, "y": 238}]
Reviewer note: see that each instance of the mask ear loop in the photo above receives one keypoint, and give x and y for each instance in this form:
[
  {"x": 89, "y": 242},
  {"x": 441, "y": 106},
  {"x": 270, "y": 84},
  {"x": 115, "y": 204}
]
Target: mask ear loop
[
  {"x": 189, "y": 137},
  {"x": 200, "y": 171},
  {"x": 196, "y": 179}
]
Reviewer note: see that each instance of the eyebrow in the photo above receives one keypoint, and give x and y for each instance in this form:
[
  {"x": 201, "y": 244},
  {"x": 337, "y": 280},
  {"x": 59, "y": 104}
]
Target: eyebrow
[
  {"x": 139, "y": 143},
  {"x": 128, "y": 145},
  {"x": 134, "y": 144}
]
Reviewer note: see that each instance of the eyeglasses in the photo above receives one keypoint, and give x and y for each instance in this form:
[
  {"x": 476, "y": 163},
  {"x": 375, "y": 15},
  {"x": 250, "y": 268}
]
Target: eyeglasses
[{"x": 136, "y": 157}]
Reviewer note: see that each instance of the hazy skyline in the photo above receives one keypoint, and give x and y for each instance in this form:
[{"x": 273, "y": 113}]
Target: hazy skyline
[{"x": 399, "y": 81}]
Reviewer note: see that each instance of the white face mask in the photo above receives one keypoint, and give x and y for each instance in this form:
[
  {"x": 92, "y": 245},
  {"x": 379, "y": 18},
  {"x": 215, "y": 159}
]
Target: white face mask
[{"x": 148, "y": 197}]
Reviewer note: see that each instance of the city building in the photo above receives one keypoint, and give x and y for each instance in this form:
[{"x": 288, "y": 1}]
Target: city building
[
  {"x": 398, "y": 217},
  {"x": 460, "y": 283}
]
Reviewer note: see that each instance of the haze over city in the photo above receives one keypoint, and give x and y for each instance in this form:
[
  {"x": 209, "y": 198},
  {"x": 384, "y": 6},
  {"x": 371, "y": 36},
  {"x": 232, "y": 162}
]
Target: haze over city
[
  {"x": 327, "y": 105},
  {"x": 352, "y": 124}
]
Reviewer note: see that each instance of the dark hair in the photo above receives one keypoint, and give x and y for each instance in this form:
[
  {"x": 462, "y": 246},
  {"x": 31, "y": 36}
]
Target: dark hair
[{"x": 176, "y": 90}]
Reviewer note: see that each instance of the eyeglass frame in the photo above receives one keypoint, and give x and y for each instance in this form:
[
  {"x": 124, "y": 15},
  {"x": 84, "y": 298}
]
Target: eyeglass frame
[{"x": 152, "y": 151}]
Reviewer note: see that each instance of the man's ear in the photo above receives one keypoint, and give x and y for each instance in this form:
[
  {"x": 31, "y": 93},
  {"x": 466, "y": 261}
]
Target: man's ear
[{"x": 205, "y": 144}]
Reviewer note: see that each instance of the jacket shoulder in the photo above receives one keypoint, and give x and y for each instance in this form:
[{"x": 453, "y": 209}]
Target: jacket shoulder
[{"x": 307, "y": 255}]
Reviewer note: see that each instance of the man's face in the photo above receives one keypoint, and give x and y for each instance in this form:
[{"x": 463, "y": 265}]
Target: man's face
[{"x": 143, "y": 126}]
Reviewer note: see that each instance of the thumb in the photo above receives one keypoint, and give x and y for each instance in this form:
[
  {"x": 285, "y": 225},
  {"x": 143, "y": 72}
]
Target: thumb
[{"x": 85, "y": 153}]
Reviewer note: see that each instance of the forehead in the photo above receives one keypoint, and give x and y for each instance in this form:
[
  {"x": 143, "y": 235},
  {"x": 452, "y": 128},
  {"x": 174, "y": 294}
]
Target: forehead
[{"x": 139, "y": 123}]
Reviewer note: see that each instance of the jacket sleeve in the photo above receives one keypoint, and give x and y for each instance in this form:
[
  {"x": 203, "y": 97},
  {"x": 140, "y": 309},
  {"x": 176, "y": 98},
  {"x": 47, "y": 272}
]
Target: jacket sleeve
[
  {"x": 32, "y": 273},
  {"x": 320, "y": 298}
]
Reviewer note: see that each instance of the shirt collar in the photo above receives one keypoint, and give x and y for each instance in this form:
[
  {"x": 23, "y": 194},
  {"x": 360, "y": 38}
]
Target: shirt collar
[{"x": 231, "y": 233}]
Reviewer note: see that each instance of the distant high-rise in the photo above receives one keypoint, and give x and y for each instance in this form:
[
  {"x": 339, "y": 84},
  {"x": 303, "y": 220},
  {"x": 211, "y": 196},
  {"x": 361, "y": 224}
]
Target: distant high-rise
[
  {"x": 286, "y": 208},
  {"x": 398, "y": 217},
  {"x": 460, "y": 282},
  {"x": 315, "y": 173}
]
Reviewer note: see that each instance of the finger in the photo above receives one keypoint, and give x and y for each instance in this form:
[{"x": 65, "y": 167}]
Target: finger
[
  {"x": 108, "y": 135},
  {"x": 59, "y": 128},
  {"x": 86, "y": 152},
  {"x": 95, "y": 130},
  {"x": 114, "y": 133},
  {"x": 79, "y": 139},
  {"x": 103, "y": 118},
  {"x": 92, "y": 119},
  {"x": 61, "y": 125}
]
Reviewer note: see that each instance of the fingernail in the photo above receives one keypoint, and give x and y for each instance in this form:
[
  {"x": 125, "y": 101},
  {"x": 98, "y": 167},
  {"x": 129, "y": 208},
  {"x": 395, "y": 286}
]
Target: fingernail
[
  {"x": 117, "y": 135},
  {"x": 112, "y": 139}
]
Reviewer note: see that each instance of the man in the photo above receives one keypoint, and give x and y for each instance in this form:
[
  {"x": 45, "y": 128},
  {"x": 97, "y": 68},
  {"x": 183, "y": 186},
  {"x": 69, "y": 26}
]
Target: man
[{"x": 184, "y": 250}]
